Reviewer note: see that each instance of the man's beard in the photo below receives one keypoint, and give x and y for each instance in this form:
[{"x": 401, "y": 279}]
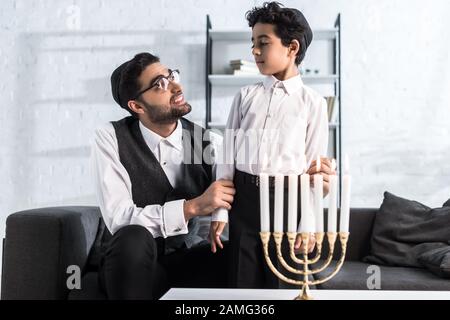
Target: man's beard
[{"x": 158, "y": 114}]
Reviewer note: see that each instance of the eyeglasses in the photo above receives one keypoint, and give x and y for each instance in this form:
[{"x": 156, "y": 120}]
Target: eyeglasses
[{"x": 162, "y": 83}]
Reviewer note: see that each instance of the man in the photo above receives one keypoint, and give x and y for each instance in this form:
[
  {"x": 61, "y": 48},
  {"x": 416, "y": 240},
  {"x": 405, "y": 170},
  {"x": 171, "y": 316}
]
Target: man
[{"x": 153, "y": 184}]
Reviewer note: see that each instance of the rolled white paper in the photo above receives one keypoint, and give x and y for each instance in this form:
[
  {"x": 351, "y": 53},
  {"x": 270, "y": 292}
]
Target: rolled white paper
[
  {"x": 318, "y": 201},
  {"x": 279, "y": 188},
  {"x": 345, "y": 203},
  {"x": 264, "y": 202},
  {"x": 293, "y": 203},
  {"x": 306, "y": 222},
  {"x": 332, "y": 206}
]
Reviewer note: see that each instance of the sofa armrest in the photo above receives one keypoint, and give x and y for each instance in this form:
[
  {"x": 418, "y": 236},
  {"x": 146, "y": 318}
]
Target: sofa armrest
[
  {"x": 39, "y": 246},
  {"x": 360, "y": 228}
]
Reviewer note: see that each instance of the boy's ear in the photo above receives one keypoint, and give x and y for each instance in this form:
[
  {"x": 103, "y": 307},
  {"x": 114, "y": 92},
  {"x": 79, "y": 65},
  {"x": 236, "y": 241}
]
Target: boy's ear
[{"x": 294, "y": 47}]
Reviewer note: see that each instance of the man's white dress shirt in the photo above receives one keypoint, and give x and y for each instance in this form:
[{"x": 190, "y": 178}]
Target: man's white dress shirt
[{"x": 113, "y": 183}]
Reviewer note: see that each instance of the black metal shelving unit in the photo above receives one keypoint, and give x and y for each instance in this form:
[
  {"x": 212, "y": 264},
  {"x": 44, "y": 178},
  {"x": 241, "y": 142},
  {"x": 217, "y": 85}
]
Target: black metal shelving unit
[{"x": 337, "y": 92}]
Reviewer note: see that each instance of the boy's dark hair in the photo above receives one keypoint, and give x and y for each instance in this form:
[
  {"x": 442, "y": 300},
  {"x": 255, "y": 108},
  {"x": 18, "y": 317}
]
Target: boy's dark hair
[
  {"x": 124, "y": 80},
  {"x": 289, "y": 24}
]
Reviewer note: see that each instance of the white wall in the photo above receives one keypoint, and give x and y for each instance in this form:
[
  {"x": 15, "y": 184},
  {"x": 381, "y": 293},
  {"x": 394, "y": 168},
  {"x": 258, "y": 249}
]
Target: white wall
[{"x": 54, "y": 88}]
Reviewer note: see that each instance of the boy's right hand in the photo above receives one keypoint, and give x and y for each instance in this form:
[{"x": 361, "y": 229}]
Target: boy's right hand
[
  {"x": 220, "y": 194},
  {"x": 215, "y": 231}
]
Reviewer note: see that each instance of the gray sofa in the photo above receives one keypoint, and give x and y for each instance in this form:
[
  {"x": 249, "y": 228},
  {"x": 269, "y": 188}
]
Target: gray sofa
[{"x": 40, "y": 244}]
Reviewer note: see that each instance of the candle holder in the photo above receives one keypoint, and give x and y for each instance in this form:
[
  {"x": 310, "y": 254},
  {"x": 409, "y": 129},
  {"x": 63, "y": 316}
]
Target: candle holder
[{"x": 305, "y": 262}]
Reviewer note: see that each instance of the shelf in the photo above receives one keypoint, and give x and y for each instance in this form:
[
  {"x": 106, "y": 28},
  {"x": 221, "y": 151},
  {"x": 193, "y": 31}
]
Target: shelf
[
  {"x": 216, "y": 125},
  {"x": 221, "y": 126},
  {"x": 232, "y": 80},
  {"x": 333, "y": 125},
  {"x": 246, "y": 35}
]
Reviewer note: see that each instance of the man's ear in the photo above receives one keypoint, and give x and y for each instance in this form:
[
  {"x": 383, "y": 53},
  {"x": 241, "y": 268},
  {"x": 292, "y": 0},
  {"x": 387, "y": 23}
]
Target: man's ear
[
  {"x": 294, "y": 48},
  {"x": 135, "y": 107}
]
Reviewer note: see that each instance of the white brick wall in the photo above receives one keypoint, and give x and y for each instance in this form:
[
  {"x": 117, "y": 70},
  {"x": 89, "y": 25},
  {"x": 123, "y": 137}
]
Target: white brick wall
[{"x": 54, "y": 88}]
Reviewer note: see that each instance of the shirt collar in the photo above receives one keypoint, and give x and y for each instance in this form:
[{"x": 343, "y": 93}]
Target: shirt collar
[
  {"x": 290, "y": 85},
  {"x": 153, "y": 139}
]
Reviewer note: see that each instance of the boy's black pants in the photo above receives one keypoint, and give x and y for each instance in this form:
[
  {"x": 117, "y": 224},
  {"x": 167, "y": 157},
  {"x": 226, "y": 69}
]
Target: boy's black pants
[{"x": 248, "y": 268}]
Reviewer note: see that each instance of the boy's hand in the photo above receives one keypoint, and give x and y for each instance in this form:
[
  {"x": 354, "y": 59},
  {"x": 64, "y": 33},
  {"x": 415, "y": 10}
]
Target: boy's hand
[
  {"x": 215, "y": 231},
  {"x": 325, "y": 171},
  {"x": 299, "y": 247}
]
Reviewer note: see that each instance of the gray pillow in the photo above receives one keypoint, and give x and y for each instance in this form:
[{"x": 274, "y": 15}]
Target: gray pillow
[
  {"x": 405, "y": 229},
  {"x": 447, "y": 203},
  {"x": 437, "y": 261}
]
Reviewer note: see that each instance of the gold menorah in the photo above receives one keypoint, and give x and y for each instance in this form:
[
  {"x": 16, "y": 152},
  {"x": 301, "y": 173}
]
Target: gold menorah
[{"x": 305, "y": 262}]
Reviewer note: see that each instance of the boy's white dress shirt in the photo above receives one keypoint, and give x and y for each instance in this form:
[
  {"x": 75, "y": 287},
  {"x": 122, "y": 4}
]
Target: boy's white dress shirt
[{"x": 276, "y": 124}]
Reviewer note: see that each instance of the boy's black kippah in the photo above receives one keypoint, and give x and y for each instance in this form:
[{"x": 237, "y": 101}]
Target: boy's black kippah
[{"x": 307, "y": 34}]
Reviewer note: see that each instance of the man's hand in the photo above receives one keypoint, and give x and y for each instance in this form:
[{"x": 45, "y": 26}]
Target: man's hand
[
  {"x": 299, "y": 247},
  {"x": 325, "y": 171},
  {"x": 215, "y": 231},
  {"x": 220, "y": 194}
]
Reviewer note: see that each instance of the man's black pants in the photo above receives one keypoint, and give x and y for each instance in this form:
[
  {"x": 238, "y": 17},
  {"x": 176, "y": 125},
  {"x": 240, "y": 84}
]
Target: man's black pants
[{"x": 134, "y": 267}]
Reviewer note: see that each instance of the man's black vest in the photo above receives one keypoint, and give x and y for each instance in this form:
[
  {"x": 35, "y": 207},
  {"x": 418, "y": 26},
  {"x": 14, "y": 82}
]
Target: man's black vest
[{"x": 150, "y": 184}]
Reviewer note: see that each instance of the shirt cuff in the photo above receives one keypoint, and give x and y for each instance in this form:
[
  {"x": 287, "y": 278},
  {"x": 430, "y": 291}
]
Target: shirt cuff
[
  {"x": 174, "y": 222},
  {"x": 220, "y": 214}
]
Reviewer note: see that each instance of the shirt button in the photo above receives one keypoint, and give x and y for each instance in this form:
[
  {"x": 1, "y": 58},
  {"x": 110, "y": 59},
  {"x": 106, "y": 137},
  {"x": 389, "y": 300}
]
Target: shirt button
[{"x": 164, "y": 163}]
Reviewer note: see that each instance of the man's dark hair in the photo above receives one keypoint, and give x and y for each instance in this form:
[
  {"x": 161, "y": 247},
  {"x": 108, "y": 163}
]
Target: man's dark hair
[
  {"x": 124, "y": 80},
  {"x": 289, "y": 24}
]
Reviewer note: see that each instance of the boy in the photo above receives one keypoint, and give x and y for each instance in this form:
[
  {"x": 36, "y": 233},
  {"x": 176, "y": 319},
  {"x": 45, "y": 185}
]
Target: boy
[{"x": 280, "y": 104}]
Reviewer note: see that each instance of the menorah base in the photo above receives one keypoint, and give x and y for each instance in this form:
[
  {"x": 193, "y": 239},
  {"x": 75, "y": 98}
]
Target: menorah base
[
  {"x": 305, "y": 294},
  {"x": 278, "y": 238}
]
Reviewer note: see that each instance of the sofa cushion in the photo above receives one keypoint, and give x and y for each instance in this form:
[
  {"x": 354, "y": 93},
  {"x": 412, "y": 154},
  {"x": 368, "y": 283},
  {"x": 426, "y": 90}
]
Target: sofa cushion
[
  {"x": 355, "y": 275},
  {"x": 96, "y": 252},
  {"x": 437, "y": 261},
  {"x": 404, "y": 229}
]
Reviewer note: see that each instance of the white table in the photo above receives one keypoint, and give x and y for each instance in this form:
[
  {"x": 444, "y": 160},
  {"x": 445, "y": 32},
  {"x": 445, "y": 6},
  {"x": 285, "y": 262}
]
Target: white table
[{"x": 289, "y": 294}]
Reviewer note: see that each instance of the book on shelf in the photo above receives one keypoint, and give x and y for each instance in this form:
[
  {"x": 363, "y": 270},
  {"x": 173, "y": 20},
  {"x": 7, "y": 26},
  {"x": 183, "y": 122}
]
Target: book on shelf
[
  {"x": 332, "y": 110},
  {"x": 242, "y": 62},
  {"x": 246, "y": 73},
  {"x": 243, "y": 67},
  {"x": 246, "y": 69}
]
